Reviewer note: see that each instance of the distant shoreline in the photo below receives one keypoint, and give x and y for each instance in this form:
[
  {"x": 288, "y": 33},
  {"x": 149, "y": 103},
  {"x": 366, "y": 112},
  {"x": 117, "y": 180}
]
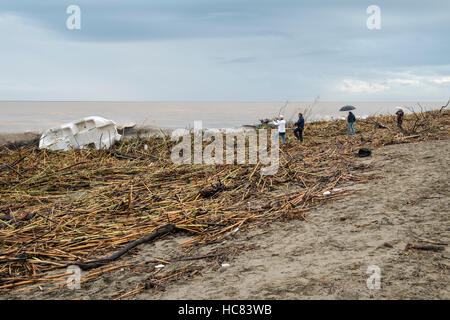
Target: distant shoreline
[
  {"x": 19, "y": 117},
  {"x": 22, "y": 137}
]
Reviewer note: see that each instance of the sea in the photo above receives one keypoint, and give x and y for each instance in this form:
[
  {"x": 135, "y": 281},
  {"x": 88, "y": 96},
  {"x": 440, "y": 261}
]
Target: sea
[{"x": 32, "y": 116}]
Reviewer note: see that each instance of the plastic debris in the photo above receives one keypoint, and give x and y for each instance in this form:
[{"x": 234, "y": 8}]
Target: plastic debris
[
  {"x": 326, "y": 193},
  {"x": 100, "y": 132},
  {"x": 125, "y": 126},
  {"x": 159, "y": 266},
  {"x": 225, "y": 265},
  {"x": 364, "y": 152}
]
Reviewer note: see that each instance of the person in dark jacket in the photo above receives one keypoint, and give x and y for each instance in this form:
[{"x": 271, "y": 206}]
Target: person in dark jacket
[
  {"x": 351, "y": 120},
  {"x": 400, "y": 115},
  {"x": 298, "y": 132}
]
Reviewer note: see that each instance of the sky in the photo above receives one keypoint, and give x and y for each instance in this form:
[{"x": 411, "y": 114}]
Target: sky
[{"x": 224, "y": 50}]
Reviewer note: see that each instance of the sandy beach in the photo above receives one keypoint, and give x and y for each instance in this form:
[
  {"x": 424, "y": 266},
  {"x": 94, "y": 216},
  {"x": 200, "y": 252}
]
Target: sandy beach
[{"x": 325, "y": 256}]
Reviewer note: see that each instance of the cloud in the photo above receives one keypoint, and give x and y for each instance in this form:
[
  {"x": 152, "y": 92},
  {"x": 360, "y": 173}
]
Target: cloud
[
  {"x": 223, "y": 50},
  {"x": 441, "y": 80},
  {"x": 360, "y": 86},
  {"x": 424, "y": 82},
  {"x": 414, "y": 82}
]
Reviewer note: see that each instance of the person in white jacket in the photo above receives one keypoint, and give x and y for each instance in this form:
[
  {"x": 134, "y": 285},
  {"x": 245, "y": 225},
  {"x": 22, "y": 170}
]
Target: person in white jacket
[{"x": 281, "y": 123}]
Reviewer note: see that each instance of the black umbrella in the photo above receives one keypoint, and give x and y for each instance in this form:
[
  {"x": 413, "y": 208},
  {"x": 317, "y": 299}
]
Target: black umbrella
[{"x": 347, "y": 108}]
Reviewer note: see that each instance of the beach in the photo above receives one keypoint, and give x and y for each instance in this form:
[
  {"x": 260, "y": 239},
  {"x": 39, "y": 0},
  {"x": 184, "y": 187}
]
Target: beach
[
  {"x": 327, "y": 257},
  {"x": 324, "y": 254}
]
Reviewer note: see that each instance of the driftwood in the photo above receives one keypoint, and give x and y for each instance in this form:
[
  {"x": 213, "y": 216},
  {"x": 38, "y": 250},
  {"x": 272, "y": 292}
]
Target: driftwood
[
  {"x": 199, "y": 257},
  {"x": 422, "y": 119},
  {"x": 12, "y": 164},
  {"x": 378, "y": 124},
  {"x": 120, "y": 155},
  {"x": 13, "y": 260},
  {"x": 168, "y": 228},
  {"x": 427, "y": 247},
  {"x": 9, "y": 217},
  {"x": 413, "y": 136},
  {"x": 443, "y": 107}
]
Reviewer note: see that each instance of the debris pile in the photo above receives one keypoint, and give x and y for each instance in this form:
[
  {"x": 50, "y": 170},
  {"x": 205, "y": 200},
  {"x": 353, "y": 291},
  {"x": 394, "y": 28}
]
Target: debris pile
[{"x": 89, "y": 207}]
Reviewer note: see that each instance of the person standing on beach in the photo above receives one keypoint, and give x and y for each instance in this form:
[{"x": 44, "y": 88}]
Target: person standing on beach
[
  {"x": 281, "y": 123},
  {"x": 298, "y": 132},
  {"x": 351, "y": 120},
  {"x": 400, "y": 115}
]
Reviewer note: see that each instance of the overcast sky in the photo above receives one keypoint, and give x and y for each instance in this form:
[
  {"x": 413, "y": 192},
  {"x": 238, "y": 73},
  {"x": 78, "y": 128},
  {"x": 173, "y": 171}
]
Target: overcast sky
[{"x": 225, "y": 50}]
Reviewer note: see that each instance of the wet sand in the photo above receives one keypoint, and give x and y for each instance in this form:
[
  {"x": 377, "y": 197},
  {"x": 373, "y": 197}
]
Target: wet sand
[{"x": 325, "y": 257}]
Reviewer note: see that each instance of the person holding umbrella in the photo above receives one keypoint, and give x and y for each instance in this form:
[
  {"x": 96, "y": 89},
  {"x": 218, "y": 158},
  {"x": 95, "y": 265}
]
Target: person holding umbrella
[{"x": 350, "y": 119}]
